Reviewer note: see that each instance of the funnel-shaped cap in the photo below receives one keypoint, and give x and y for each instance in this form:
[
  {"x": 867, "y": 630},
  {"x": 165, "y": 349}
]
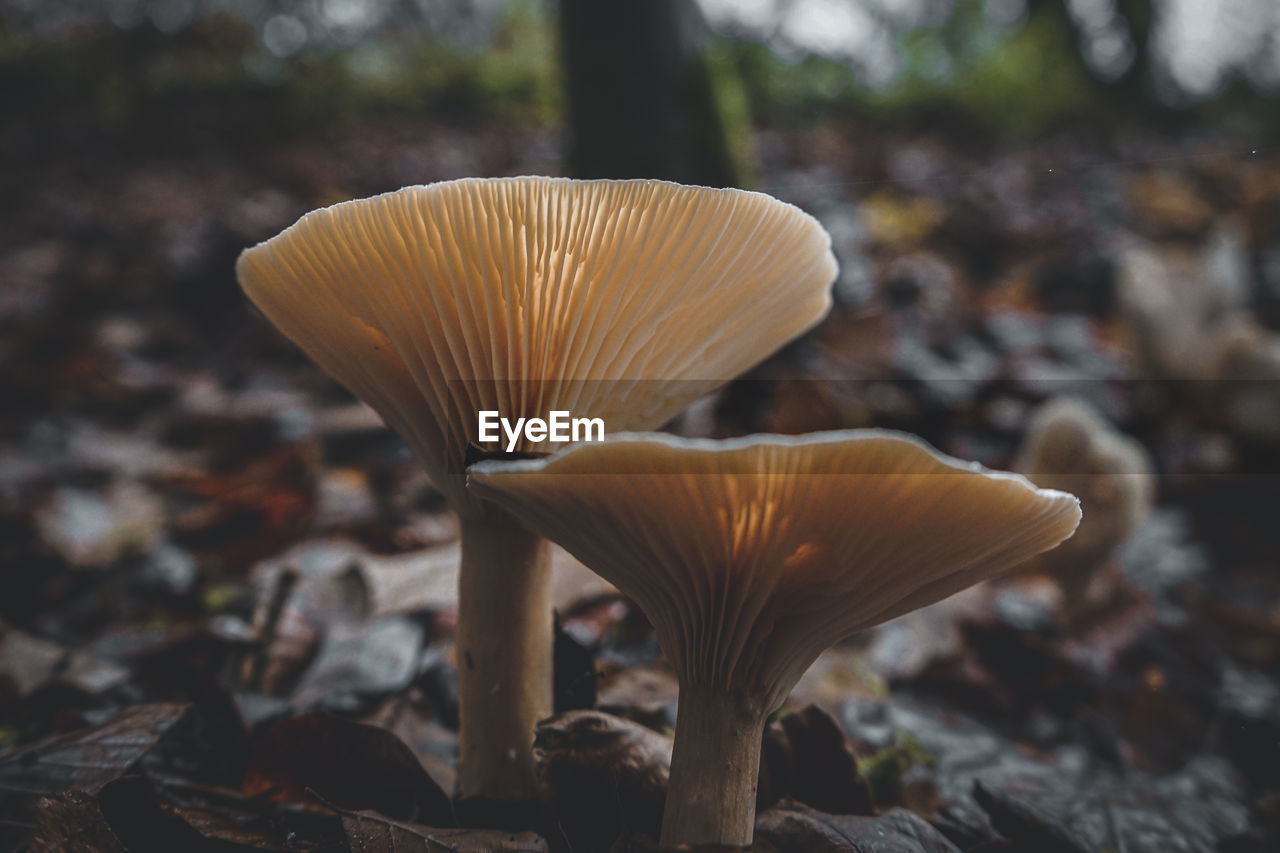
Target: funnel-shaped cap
[
  {"x": 618, "y": 300},
  {"x": 751, "y": 556}
]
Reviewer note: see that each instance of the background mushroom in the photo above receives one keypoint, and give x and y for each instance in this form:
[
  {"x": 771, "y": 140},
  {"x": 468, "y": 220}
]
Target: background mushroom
[
  {"x": 619, "y": 300},
  {"x": 751, "y": 556},
  {"x": 1070, "y": 446}
]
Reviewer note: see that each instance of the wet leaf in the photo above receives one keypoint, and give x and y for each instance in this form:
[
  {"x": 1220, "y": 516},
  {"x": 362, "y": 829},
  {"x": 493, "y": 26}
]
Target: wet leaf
[
  {"x": 87, "y": 760},
  {"x": 807, "y": 757},
  {"x": 791, "y": 826},
  {"x": 412, "y": 718},
  {"x": 73, "y": 823},
  {"x": 359, "y": 661},
  {"x": 1191, "y": 811},
  {"x": 428, "y": 580},
  {"x": 351, "y": 765},
  {"x": 574, "y": 672},
  {"x": 370, "y": 832},
  {"x": 646, "y": 694},
  {"x": 82, "y": 761},
  {"x": 26, "y": 663},
  {"x": 29, "y": 663},
  {"x": 602, "y": 774},
  {"x": 92, "y": 529}
]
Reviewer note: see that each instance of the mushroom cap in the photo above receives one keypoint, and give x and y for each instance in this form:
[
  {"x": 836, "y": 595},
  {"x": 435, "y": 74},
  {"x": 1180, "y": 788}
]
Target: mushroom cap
[
  {"x": 619, "y": 300},
  {"x": 752, "y": 556}
]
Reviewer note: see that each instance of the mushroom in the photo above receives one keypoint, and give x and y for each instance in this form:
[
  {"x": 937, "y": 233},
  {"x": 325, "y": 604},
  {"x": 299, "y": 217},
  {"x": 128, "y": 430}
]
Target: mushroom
[
  {"x": 1070, "y": 446},
  {"x": 751, "y": 556},
  {"x": 618, "y": 300},
  {"x": 1243, "y": 368}
]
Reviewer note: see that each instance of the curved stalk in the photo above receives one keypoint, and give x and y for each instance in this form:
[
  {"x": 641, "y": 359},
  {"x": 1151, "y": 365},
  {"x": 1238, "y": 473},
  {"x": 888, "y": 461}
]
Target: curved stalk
[
  {"x": 504, "y": 649},
  {"x": 715, "y": 769}
]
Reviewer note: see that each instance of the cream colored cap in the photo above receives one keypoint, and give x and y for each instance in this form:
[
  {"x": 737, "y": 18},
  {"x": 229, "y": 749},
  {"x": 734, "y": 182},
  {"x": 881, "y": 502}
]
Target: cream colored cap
[
  {"x": 753, "y": 555},
  {"x": 619, "y": 300}
]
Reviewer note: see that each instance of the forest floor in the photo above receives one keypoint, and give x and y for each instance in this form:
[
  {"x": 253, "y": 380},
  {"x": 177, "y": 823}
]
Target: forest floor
[{"x": 206, "y": 644}]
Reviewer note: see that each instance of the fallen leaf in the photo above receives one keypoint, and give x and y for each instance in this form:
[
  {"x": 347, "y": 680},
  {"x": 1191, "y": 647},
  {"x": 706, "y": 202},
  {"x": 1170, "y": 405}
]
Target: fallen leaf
[
  {"x": 72, "y": 822},
  {"x": 357, "y": 661},
  {"x": 1191, "y": 811},
  {"x": 412, "y": 718},
  {"x": 602, "y": 774},
  {"x": 83, "y": 761},
  {"x": 1166, "y": 204},
  {"x": 87, "y": 760},
  {"x": 92, "y": 529},
  {"x": 808, "y": 758},
  {"x": 644, "y": 693},
  {"x": 428, "y": 580},
  {"x": 370, "y": 832},
  {"x": 349, "y": 764},
  {"x": 573, "y": 670},
  {"x": 26, "y": 663},
  {"x": 790, "y": 826}
]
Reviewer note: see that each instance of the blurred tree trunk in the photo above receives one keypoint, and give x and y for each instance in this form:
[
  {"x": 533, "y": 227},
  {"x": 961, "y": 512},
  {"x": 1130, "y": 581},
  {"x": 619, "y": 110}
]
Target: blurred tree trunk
[
  {"x": 1134, "y": 83},
  {"x": 1136, "y": 79},
  {"x": 642, "y": 97}
]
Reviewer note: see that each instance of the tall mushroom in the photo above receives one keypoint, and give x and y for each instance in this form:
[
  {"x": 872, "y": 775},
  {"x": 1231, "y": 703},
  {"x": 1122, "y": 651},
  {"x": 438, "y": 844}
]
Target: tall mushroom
[
  {"x": 752, "y": 556},
  {"x": 618, "y": 300}
]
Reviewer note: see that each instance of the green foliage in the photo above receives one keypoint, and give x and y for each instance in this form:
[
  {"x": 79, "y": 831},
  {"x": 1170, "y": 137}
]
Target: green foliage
[
  {"x": 1018, "y": 82},
  {"x": 413, "y": 76},
  {"x": 214, "y": 74},
  {"x": 1022, "y": 82},
  {"x": 733, "y": 110},
  {"x": 884, "y": 769},
  {"x": 784, "y": 92}
]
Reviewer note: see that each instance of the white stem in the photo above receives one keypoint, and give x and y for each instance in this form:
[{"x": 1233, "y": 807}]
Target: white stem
[
  {"x": 504, "y": 649},
  {"x": 715, "y": 769}
]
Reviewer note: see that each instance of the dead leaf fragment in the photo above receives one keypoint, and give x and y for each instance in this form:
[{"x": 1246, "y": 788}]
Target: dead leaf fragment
[{"x": 72, "y": 822}]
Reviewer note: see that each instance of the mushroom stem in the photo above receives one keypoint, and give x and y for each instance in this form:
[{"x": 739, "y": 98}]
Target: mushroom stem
[
  {"x": 504, "y": 649},
  {"x": 715, "y": 768}
]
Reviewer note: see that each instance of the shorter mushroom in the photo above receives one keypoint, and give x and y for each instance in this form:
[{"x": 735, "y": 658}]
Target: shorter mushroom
[
  {"x": 1070, "y": 446},
  {"x": 1243, "y": 370},
  {"x": 752, "y": 556}
]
